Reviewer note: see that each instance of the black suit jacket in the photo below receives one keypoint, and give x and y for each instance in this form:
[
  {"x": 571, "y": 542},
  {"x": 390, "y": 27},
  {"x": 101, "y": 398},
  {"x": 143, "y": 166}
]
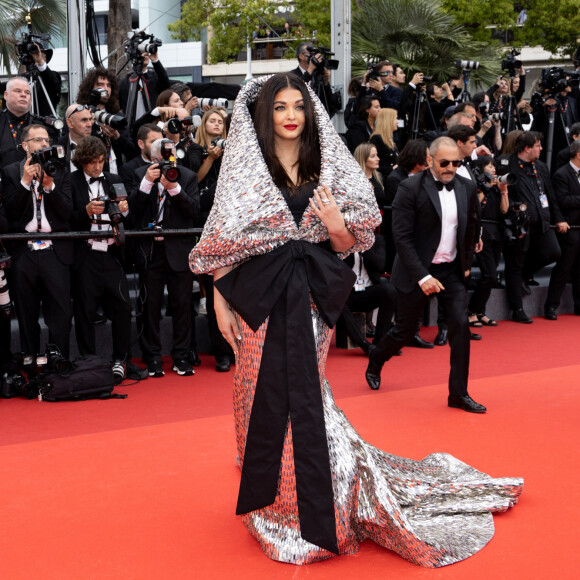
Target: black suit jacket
[
  {"x": 10, "y": 151},
  {"x": 567, "y": 192},
  {"x": 392, "y": 183},
  {"x": 417, "y": 227},
  {"x": 179, "y": 212},
  {"x": 20, "y": 208}
]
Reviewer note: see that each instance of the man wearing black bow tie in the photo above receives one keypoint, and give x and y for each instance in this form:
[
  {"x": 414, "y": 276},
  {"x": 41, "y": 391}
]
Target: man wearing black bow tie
[{"x": 434, "y": 228}]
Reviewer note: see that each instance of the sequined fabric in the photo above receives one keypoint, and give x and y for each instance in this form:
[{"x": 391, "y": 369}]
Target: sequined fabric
[
  {"x": 250, "y": 216},
  {"x": 432, "y": 512}
]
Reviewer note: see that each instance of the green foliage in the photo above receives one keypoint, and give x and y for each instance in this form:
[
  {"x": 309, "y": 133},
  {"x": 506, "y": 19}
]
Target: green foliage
[
  {"x": 475, "y": 15},
  {"x": 420, "y": 36},
  {"x": 232, "y": 22},
  {"x": 50, "y": 16},
  {"x": 554, "y": 24},
  {"x": 314, "y": 15}
]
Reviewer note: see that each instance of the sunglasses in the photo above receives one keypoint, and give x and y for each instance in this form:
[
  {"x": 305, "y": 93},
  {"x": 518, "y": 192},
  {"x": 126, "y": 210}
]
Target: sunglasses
[
  {"x": 78, "y": 109},
  {"x": 445, "y": 162},
  {"x": 386, "y": 73}
]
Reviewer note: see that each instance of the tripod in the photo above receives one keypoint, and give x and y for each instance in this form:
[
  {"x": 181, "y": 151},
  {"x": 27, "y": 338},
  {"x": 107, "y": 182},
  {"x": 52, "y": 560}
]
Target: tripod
[
  {"x": 318, "y": 88},
  {"x": 465, "y": 95},
  {"x": 552, "y": 109},
  {"x": 420, "y": 98},
  {"x": 32, "y": 74},
  {"x": 136, "y": 80}
]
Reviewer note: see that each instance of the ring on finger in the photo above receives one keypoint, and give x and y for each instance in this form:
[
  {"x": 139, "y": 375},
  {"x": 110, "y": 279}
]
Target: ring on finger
[{"x": 325, "y": 201}]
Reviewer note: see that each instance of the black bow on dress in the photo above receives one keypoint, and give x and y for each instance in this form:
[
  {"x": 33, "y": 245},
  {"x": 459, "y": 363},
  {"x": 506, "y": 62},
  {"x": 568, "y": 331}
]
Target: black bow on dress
[{"x": 279, "y": 285}]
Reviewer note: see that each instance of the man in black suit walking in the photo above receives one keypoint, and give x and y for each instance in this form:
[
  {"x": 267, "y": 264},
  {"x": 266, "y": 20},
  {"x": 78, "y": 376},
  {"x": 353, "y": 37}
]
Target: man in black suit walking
[
  {"x": 566, "y": 182},
  {"x": 160, "y": 203},
  {"x": 434, "y": 228}
]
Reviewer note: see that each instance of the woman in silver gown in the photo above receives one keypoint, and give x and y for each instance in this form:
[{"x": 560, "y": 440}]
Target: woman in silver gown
[{"x": 290, "y": 202}]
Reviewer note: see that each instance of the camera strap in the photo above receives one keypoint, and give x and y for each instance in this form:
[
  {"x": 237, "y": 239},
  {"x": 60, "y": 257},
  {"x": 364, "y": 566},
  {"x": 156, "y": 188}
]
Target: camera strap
[{"x": 38, "y": 191}]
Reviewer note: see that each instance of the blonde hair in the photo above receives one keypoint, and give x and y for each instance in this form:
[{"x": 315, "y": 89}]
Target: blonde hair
[
  {"x": 384, "y": 126},
  {"x": 201, "y": 137},
  {"x": 361, "y": 154}
]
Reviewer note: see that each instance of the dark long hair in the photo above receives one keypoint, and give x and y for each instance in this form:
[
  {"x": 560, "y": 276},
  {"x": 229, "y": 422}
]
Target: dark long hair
[
  {"x": 309, "y": 157},
  {"x": 89, "y": 82}
]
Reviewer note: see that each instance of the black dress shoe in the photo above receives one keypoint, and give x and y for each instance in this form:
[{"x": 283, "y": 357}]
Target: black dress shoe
[
  {"x": 441, "y": 338},
  {"x": 526, "y": 288},
  {"x": 474, "y": 336},
  {"x": 550, "y": 313},
  {"x": 373, "y": 374},
  {"x": 519, "y": 315},
  {"x": 135, "y": 373},
  {"x": 223, "y": 364},
  {"x": 366, "y": 347},
  {"x": 418, "y": 342},
  {"x": 466, "y": 403},
  {"x": 193, "y": 358}
]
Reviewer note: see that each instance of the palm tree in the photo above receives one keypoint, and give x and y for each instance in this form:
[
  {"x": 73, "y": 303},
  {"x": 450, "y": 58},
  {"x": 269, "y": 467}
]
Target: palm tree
[
  {"x": 45, "y": 16},
  {"x": 419, "y": 36}
]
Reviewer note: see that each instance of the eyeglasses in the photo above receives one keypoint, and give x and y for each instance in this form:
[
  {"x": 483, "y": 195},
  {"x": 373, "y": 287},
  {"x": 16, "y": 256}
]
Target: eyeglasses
[
  {"x": 386, "y": 73},
  {"x": 39, "y": 140},
  {"x": 78, "y": 109},
  {"x": 445, "y": 162}
]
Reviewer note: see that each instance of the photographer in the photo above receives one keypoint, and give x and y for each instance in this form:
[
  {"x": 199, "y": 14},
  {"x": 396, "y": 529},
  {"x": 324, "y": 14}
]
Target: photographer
[
  {"x": 526, "y": 255},
  {"x": 151, "y": 83},
  {"x": 13, "y": 119},
  {"x": 38, "y": 199},
  {"x": 377, "y": 82},
  {"x": 79, "y": 120},
  {"x": 50, "y": 79},
  {"x": 205, "y": 158},
  {"x": 493, "y": 204},
  {"x": 100, "y": 89},
  {"x": 146, "y": 136},
  {"x": 567, "y": 190},
  {"x": 310, "y": 66},
  {"x": 99, "y": 277},
  {"x": 167, "y": 197}
]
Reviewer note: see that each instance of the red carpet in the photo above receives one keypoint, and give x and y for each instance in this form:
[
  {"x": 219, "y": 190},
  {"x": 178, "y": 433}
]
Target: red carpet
[{"x": 145, "y": 488}]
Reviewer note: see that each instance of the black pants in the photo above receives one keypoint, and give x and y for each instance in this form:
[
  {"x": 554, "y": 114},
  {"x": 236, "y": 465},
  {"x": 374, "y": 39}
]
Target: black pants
[
  {"x": 487, "y": 260},
  {"x": 382, "y": 296},
  {"x": 524, "y": 257},
  {"x": 101, "y": 280},
  {"x": 453, "y": 301},
  {"x": 41, "y": 278},
  {"x": 569, "y": 262},
  {"x": 179, "y": 287}
]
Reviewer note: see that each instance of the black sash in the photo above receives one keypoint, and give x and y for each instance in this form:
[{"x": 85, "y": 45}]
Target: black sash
[{"x": 278, "y": 285}]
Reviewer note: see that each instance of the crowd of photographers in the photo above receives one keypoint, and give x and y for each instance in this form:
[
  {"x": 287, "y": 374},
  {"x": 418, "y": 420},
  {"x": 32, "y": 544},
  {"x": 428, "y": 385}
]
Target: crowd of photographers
[
  {"x": 144, "y": 155},
  {"x": 524, "y": 155},
  {"x": 104, "y": 176}
]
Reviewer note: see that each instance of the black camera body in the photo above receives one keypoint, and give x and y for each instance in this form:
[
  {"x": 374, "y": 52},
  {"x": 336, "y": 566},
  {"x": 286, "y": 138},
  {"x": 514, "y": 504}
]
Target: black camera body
[
  {"x": 98, "y": 96},
  {"x": 167, "y": 163},
  {"x": 372, "y": 72},
  {"x": 554, "y": 80},
  {"x": 137, "y": 43},
  {"x": 175, "y": 125},
  {"x": 483, "y": 179},
  {"x": 516, "y": 221},
  {"x": 320, "y": 57},
  {"x": 510, "y": 63},
  {"x": 28, "y": 45},
  {"x": 118, "y": 193},
  {"x": 49, "y": 158}
]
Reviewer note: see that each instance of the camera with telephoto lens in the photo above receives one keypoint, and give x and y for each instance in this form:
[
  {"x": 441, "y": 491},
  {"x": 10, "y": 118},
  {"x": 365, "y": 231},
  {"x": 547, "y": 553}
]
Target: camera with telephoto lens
[
  {"x": 510, "y": 63},
  {"x": 484, "y": 180},
  {"x": 219, "y": 142},
  {"x": 175, "y": 125},
  {"x": 554, "y": 80},
  {"x": 49, "y": 158},
  {"x": 516, "y": 221},
  {"x": 202, "y": 102},
  {"x": 101, "y": 96},
  {"x": 6, "y": 306},
  {"x": 319, "y": 57},
  {"x": 138, "y": 42},
  {"x": 467, "y": 64},
  {"x": 167, "y": 163}
]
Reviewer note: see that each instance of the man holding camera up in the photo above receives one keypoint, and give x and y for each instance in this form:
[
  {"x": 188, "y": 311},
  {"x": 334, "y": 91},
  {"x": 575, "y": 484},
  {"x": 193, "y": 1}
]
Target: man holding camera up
[
  {"x": 168, "y": 197},
  {"x": 99, "y": 274},
  {"x": 377, "y": 81},
  {"x": 38, "y": 198}
]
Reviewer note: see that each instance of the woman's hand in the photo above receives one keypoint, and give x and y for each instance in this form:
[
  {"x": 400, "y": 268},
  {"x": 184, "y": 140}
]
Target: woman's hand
[
  {"x": 225, "y": 317},
  {"x": 324, "y": 206}
]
